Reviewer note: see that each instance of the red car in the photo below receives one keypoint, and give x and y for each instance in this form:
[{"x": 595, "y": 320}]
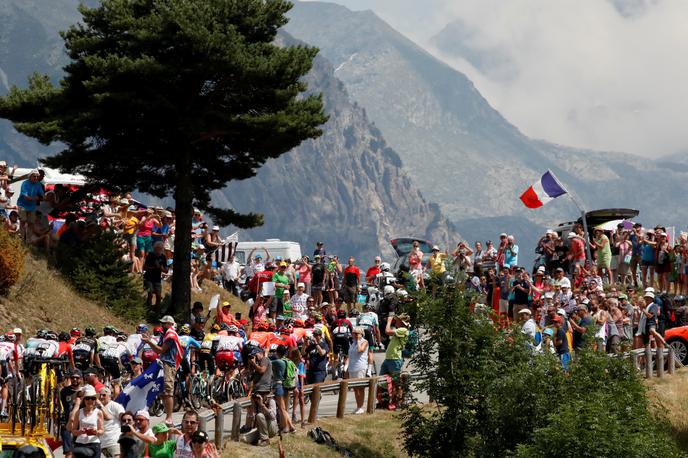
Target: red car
[{"x": 678, "y": 338}]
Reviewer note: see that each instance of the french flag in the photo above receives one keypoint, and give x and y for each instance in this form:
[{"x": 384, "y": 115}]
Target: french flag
[{"x": 542, "y": 191}]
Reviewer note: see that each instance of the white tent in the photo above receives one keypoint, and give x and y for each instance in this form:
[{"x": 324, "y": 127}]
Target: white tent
[{"x": 52, "y": 177}]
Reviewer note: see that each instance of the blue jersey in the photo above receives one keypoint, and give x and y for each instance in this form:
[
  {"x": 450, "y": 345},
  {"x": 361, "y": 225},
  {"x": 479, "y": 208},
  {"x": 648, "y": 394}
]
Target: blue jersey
[{"x": 188, "y": 343}]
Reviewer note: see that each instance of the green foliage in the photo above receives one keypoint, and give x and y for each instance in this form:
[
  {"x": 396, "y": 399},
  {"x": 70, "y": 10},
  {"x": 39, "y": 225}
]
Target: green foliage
[
  {"x": 11, "y": 260},
  {"x": 96, "y": 269},
  {"x": 494, "y": 398},
  {"x": 174, "y": 98}
]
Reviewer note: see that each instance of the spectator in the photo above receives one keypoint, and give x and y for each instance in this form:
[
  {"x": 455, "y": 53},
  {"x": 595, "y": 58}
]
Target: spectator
[
  {"x": 357, "y": 363},
  {"x": 155, "y": 265},
  {"x": 109, "y": 441},
  {"x": 30, "y": 195},
  {"x": 279, "y": 373},
  {"x": 86, "y": 423},
  {"x": 183, "y": 447},
  {"x": 260, "y": 371},
  {"x": 261, "y": 420},
  {"x": 68, "y": 396},
  {"x": 398, "y": 332},
  {"x": 319, "y": 250},
  {"x": 352, "y": 280},
  {"x": 202, "y": 447},
  {"x": 170, "y": 354},
  {"x": 316, "y": 351},
  {"x": 561, "y": 343},
  {"x": 163, "y": 447},
  {"x": 510, "y": 252},
  {"x": 231, "y": 271}
]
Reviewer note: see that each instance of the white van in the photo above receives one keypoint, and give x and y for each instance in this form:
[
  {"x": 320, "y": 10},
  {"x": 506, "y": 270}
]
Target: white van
[{"x": 275, "y": 247}]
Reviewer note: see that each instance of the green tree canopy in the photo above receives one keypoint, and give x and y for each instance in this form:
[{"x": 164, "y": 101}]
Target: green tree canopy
[{"x": 173, "y": 98}]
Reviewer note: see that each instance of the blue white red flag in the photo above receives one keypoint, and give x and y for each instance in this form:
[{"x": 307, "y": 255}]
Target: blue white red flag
[
  {"x": 172, "y": 335},
  {"x": 142, "y": 391},
  {"x": 542, "y": 191}
]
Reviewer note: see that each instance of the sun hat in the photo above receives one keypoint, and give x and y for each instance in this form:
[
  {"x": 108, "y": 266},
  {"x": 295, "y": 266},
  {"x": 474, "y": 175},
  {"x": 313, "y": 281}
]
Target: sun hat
[
  {"x": 89, "y": 391},
  {"x": 525, "y": 311},
  {"x": 216, "y": 228},
  {"x": 650, "y": 295},
  {"x": 435, "y": 248},
  {"x": 105, "y": 390},
  {"x": 160, "y": 428}
]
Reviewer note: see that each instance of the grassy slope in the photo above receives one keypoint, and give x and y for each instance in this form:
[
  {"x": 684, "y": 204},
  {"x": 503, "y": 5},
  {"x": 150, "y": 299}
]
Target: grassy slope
[
  {"x": 670, "y": 398},
  {"x": 373, "y": 436},
  {"x": 42, "y": 299}
]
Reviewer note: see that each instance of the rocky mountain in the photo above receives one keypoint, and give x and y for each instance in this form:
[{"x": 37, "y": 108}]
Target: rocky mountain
[
  {"x": 346, "y": 188},
  {"x": 462, "y": 153}
]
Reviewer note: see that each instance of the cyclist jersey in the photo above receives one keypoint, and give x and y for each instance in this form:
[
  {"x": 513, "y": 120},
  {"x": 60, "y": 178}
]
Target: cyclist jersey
[
  {"x": 36, "y": 347},
  {"x": 64, "y": 350},
  {"x": 105, "y": 342},
  {"x": 188, "y": 343},
  {"x": 342, "y": 328},
  {"x": 134, "y": 344},
  {"x": 368, "y": 319},
  {"x": 6, "y": 351},
  {"x": 207, "y": 343},
  {"x": 110, "y": 348},
  {"x": 324, "y": 329},
  {"x": 229, "y": 343}
]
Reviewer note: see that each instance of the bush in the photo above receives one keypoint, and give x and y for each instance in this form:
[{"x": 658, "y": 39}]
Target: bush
[
  {"x": 494, "y": 398},
  {"x": 11, "y": 260},
  {"x": 95, "y": 269}
]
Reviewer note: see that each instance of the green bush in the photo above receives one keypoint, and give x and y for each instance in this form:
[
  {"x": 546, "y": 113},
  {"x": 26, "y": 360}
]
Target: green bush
[
  {"x": 494, "y": 398},
  {"x": 11, "y": 260},
  {"x": 95, "y": 269}
]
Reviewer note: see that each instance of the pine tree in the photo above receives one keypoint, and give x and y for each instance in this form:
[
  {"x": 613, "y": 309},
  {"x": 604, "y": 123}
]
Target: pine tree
[{"x": 173, "y": 98}]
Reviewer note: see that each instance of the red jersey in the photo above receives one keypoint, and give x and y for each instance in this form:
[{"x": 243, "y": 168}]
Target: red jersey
[
  {"x": 258, "y": 279},
  {"x": 372, "y": 273},
  {"x": 352, "y": 276}
]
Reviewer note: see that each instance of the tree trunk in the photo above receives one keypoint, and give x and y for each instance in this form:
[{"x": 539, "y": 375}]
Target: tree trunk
[{"x": 181, "y": 278}]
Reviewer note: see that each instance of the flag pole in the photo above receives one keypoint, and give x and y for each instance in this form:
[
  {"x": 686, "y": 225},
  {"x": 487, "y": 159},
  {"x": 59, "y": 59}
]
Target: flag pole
[{"x": 583, "y": 217}]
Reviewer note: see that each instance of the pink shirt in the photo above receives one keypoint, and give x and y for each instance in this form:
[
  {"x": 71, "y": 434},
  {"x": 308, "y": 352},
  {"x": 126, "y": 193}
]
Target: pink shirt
[
  {"x": 146, "y": 228},
  {"x": 305, "y": 273}
]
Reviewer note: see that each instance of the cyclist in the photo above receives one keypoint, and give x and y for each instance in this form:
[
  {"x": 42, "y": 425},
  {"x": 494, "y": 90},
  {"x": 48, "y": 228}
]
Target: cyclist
[
  {"x": 342, "y": 332},
  {"x": 230, "y": 343},
  {"x": 109, "y": 352},
  {"x": 65, "y": 349},
  {"x": 368, "y": 320},
  {"x": 189, "y": 345},
  {"x": 6, "y": 370},
  {"x": 84, "y": 350},
  {"x": 206, "y": 361},
  {"x": 44, "y": 345},
  {"x": 74, "y": 335}
]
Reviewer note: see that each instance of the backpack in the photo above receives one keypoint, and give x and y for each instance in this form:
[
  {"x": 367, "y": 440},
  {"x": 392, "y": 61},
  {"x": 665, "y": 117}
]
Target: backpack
[
  {"x": 289, "y": 374},
  {"x": 411, "y": 344}
]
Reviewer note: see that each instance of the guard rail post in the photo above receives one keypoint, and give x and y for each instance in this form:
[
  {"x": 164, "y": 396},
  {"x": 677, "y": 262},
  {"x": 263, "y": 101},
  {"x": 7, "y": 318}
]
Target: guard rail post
[
  {"x": 660, "y": 361},
  {"x": 341, "y": 402},
  {"x": 634, "y": 361},
  {"x": 648, "y": 362},
  {"x": 202, "y": 423},
  {"x": 672, "y": 360},
  {"x": 219, "y": 428},
  {"x": 315, "y": 401},
  {"x": 236, "y": 421},
  {"x": 372, "y": 386}
]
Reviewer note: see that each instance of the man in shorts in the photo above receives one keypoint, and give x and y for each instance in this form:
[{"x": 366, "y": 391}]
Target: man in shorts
[
  {"x": 154, "y": 267},
  {"x": 397, "y": 328},
  {"x": 30, "y": 195},
  {"x": 170, "y": 350}
]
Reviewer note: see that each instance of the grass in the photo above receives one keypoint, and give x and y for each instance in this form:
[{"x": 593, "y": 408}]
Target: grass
[
  {"x": 43, "y": 299},
  {"x": 370, "y": 436},
  {"x": 669, "y": 398}
]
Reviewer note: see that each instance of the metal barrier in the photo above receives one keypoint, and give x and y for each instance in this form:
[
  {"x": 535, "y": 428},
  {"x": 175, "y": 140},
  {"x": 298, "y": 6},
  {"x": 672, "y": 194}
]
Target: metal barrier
[
  {"x": 314, "y": 391},
  {"x": 654, "y": 359}
]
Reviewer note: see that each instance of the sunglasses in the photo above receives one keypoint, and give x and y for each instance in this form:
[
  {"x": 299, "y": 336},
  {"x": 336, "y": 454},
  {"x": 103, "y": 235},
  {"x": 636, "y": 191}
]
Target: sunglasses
[
  {"x": 102, "y": 395},
  {"x": 189, "y": 422},
  {"x": 90, "y": 398},
  {"x": 141, "y": 419}
]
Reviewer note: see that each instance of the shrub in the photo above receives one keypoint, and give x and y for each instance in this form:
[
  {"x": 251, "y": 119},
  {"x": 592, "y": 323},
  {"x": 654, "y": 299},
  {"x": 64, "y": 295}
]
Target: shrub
[
  {"x": 95, "y": 269},
  {"x": 494, "y": 398},
  {"x": 11, "y": 260}
]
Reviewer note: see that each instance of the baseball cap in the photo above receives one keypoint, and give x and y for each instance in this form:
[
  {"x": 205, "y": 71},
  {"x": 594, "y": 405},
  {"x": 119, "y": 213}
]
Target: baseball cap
[
  {"x": 558, "y": 320},
  {"x": 226, "y": 304},
  {"x": 105, "y": 390},
  {"x": 137, "y": 360},
  {"x": 650, "y": 290},
  {"x": 435, "y": 248},
  {"x": 650, "y": 295},
  {"x": 216, "y": 228},
  {"x": 160, "y": 428},
  {"x": 526, "y": 311},
  {"x": 167, "y": 319},
  {"x": 142, "y": 413},
  {"x": 17, "y": 331},
  {"x": 300, "y": 285},
  {"x": 283, "y": 264},
  {"x": 502, "y": 235},
  {"x": 541, "y": 270},
  {"x": 561, "y": 312}
]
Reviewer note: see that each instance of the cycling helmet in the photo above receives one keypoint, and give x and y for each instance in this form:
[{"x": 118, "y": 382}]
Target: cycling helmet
[
  {"x": 232, "y": 328},
  {"x": 185, "y": 330},
  {"x": 341, "y": 313},
  {"x": 75, "y": 332},
  {"x": 90, "y": 331},
  {"x": 64, "y": 337},
  {"x": 42, "y": 333},
  {"x": 389, "y": 289},
  {"x": 109, "y": 330},
  {"x": 402, "y": 293},
  {"x": 121, "y": 337},
  {"x": 309, "y": 323},
  {"x": 354, "y": 313},
  {"x": 141, "y": 328},
  {"x": 215, "y": 328},
  {"x": 10, "y": 337},
  {"x": 3, "y": 338},
  {"x": 52, "y": 336},
  {"x": 384, "y": 267},
  {"x": 299, "y": 323}
]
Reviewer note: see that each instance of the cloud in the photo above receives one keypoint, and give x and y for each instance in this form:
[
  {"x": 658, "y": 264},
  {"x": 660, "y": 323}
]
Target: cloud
[{"x": 608, "y": 75}]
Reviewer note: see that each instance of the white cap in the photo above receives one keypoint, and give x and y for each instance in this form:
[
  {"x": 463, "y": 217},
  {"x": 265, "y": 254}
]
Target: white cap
[
  {"x": 389, "y": 289},
  {"x": 650, "y": 295},
  {"x": 300, "y": 285},
  {"x": 549, "y": 295},
  {"x": 511, "y": 237},
  {"x": 435, "y": 247},
  {"x": 565, "y": 283},
  {"x": 17, "y": 331},
  {"x": 561, "y": 312},
  {"x": 124, "y": 201},
  {"x": 550, "y": 231},
  {"x": 586, "y": 301},
  {"x": 216, "y": 228},
  {"x": 142, "y": 413},
  {"x": 541, "y": 269},
  {"x": 650, "y": 290},
  {"x": 571, "y": 235},
  {"x": 503, "y": 234},
  {"x": 167, "y": 319},
  {"x": 526, "y": 311}
]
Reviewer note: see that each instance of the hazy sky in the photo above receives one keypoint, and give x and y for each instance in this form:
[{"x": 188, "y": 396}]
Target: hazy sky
[{"x": 603, "y": 74}]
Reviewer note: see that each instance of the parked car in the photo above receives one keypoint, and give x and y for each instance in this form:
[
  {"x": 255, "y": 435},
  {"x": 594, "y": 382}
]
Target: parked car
[
  {"x": 678, "y": 338},
  {"x": 402, "y": 246}
]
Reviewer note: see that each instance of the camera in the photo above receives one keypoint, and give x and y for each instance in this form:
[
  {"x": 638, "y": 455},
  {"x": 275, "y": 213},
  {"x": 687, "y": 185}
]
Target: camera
[{"x": 125, "y": 429}]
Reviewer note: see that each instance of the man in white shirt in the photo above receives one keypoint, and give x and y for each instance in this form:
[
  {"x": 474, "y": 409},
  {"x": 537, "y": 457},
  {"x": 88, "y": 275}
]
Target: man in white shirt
[
  {"x": 231, "y": 271},
  {"x": 529, "y": 328},
  {"x": 299, "y": 303},
  {"x": 109, "y": 444}
]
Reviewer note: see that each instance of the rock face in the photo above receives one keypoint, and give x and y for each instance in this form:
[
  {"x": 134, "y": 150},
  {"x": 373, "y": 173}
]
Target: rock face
[
  {"x": 460, "y": 151},
  {"x": 346, "y": 188}
]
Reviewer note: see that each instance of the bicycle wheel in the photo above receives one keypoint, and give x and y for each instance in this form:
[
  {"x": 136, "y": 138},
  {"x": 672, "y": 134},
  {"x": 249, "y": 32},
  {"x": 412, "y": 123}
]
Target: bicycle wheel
[
  {"x": 178, "y": 395},
  {"x": 235, "y": 389},
  {"x": 219, "y": 390},
  {"x": 195, "y": 392},
  {"x": 156, "y": 407}
]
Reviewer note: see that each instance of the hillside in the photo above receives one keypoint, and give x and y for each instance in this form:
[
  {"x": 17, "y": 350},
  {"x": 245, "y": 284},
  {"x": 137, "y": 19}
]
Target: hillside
[
  {"x": 461, "y": 152},
  {"x": 347, "y": 188}
]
